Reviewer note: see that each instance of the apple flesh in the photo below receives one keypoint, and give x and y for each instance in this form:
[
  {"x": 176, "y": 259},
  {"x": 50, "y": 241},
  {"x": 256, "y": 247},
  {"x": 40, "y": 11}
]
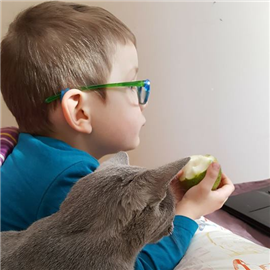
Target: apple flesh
[{"x": 195, "y": 170}]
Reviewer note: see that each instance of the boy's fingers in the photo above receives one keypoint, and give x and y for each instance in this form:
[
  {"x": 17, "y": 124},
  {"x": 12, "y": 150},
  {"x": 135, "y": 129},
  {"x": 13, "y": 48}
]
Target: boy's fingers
[
  {"x": 211, "y": 175},
  {"x": 225, "y": 181},
  {"x": 226, "y": 190},
  {"x": 177, "y": 176},
  {"x": 226, "y": 187}
]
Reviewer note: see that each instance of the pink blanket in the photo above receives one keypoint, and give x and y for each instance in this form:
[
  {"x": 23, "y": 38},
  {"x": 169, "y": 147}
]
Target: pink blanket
[{"x": 8, "y": 138}]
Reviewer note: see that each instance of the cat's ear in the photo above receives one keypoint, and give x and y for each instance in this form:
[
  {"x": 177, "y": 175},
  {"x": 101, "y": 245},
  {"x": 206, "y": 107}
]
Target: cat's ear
[
  {"x": 149, "y": 187},
  {"x": 158, "y": 180},
  {"x": 163, "y": 175},
  {"x": 120, "y": 158}
]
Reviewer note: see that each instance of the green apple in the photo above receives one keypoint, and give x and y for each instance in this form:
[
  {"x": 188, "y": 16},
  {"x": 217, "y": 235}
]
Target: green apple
[{"x": 195, "y": 170}]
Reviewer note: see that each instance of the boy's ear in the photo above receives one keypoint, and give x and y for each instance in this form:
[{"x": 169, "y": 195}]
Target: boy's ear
[{"x": 77, "y": 111}]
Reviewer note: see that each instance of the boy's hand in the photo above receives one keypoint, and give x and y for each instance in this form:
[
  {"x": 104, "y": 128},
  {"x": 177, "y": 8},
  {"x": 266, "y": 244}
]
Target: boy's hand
[
  {"x": 201, "y": 199},
  {"x": 177, "y": 190}
]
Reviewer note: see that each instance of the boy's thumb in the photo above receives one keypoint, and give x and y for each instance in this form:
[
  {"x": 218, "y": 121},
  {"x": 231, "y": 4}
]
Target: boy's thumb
[{"x": 211, "y": 175}]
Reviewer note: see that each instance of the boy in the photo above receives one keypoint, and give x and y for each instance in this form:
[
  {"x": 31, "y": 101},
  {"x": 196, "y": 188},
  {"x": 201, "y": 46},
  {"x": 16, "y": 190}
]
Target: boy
[{"x": 58, "y": 46}]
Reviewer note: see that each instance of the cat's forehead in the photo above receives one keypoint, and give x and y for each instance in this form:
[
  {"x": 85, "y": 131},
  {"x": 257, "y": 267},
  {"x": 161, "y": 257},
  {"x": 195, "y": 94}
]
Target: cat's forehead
[{"x": 113, "y": 181}]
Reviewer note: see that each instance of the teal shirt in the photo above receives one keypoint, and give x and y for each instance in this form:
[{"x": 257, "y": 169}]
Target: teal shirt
[{"x": 38, "y": 174}]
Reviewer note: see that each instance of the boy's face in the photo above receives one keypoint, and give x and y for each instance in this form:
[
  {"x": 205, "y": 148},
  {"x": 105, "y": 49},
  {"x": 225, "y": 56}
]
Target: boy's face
[{"x": 117, "y": 122}]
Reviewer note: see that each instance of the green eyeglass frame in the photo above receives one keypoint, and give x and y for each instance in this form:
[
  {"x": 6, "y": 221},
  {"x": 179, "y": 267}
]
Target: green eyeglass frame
[{"x": 142, "y": 87}]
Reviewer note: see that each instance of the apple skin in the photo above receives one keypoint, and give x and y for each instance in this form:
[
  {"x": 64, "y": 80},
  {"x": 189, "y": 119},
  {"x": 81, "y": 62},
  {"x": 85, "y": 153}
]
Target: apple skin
[{"x": 187, "y": 183}]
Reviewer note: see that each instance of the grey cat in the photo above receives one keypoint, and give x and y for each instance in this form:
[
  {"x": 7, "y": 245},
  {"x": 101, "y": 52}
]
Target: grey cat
[{"x": 104, "y": 222}]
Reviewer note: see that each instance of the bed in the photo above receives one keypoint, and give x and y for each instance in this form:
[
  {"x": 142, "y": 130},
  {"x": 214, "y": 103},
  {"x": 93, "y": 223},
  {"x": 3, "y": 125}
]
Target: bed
[
  {"x": 224, "y": 242},
  {"x": 236, "y": 225}
]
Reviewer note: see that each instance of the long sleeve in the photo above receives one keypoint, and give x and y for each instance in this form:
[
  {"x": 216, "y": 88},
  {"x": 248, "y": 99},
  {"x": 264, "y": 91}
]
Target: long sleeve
[
  {"x": 168, "y": 252},
  {"x": 36, "y": 177}
]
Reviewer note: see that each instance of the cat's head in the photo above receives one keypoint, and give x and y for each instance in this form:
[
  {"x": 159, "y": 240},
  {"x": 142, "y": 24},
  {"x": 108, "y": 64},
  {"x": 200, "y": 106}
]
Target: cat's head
[{"x": 119, "y": 200}]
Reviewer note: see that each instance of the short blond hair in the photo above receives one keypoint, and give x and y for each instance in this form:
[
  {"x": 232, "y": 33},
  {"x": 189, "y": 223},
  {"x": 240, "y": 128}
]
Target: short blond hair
[{"x": 52, "y": 46}]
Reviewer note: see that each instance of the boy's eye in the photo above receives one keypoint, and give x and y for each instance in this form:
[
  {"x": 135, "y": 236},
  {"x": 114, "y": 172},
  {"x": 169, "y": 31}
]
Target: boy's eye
[{"x": 132, "y": 88}]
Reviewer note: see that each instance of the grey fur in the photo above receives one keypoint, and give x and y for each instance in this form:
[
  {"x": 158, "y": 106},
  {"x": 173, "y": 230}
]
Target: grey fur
[{"x": 104, "y": 222}]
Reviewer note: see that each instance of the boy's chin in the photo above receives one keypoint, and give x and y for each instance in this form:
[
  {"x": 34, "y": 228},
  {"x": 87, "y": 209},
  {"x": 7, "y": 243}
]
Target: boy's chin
[{"x": 132, "y": 145}]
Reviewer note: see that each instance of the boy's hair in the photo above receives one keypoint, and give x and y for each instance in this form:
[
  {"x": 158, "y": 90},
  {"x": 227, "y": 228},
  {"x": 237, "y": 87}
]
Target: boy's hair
[{"x": 52, "y": 46}]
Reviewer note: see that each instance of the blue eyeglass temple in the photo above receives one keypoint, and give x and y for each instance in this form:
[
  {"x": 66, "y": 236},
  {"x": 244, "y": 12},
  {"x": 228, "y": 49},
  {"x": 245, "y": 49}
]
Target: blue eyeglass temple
[{"x": 63, "y": 93}]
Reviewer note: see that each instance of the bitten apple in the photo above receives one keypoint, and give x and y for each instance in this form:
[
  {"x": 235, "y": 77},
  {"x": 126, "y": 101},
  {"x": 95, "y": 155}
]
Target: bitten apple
[{"x": 195, "y": 170}]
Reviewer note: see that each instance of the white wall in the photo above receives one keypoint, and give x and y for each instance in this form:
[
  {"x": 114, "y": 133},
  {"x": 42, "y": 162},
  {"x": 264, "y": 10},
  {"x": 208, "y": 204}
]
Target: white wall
[{"x": 209, "y": 70}]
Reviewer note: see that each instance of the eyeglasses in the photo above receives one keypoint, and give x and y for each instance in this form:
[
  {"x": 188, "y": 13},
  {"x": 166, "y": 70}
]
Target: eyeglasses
[{"x": 142, "y": 88}]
